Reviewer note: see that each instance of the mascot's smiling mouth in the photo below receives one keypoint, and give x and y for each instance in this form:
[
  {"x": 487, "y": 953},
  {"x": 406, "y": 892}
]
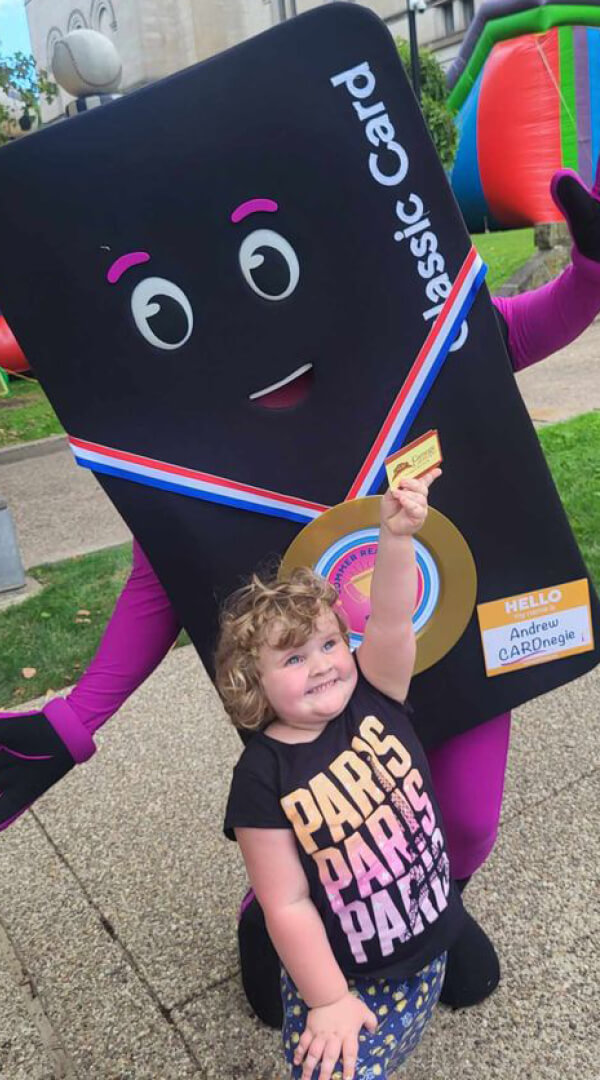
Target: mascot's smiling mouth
[{"x": 291, "y": 390}]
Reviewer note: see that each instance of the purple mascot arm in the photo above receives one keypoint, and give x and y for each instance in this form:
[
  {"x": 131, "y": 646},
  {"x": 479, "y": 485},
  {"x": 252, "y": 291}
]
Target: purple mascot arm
[
  {"x": 37, "y": 749},
  {"x": 546, "y": 319},
  {"x": 141, "y": 631}
]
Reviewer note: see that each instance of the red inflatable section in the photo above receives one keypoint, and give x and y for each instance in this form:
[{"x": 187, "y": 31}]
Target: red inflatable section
[
  {"x": 11, "y": 356},
  {"x": 518, "y": 129}
]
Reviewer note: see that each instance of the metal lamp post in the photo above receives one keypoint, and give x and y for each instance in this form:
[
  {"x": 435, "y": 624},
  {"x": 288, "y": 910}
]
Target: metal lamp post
[{"x": 412, "y": 7}]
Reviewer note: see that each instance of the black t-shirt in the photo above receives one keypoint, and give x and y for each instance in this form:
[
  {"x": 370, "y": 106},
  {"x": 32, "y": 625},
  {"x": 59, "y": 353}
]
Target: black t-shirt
[{"x": 368, "y": 830}]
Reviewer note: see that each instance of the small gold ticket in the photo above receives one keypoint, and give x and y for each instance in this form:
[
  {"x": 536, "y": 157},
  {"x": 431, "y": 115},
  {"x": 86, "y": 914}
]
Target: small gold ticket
[{"x": 414, "y": 459}]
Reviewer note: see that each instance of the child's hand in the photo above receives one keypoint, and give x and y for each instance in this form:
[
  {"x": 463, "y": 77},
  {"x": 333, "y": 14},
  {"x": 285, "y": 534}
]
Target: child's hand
[
  {"x": 332, "y": 1032},
  {"x": 404, "y": 510}
]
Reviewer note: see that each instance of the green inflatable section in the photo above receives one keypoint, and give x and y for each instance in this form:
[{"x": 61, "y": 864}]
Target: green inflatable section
[
  {"x": 536, "y": 20},
  {"x": 568, "y": 105}
]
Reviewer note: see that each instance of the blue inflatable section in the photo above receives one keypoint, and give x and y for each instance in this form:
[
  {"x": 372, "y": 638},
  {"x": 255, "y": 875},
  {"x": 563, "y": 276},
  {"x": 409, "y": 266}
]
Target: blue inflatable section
[
  {"x": 593, "y": 40},
  {"x": 465, "y": 178}
]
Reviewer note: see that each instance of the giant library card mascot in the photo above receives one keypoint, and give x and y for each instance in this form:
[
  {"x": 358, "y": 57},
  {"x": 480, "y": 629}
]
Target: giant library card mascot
[{"x": 237, "y": 322}]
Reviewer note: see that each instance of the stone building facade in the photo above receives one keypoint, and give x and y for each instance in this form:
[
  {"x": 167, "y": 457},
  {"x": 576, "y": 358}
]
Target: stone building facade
[{"x": 156, "y": 37}]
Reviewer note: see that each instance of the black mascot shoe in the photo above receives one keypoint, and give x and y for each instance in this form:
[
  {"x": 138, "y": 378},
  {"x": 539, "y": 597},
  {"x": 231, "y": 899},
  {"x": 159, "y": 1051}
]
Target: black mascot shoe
[
  {"x": 472, "y": 969},
  {"x": 261, "y": 969}
]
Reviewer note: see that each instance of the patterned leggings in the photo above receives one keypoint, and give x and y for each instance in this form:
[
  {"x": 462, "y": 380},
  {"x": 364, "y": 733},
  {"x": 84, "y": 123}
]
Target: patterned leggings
[{"x": 403, "y": 1010}]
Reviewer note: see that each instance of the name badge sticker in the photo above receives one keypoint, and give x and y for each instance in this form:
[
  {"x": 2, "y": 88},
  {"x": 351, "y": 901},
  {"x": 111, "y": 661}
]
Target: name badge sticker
[{"x": 534, "y": 628}]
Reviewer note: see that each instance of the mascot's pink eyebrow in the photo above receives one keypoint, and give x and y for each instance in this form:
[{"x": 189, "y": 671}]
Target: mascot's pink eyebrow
[
  {"x": 123, "y": 263},
  {"x": 253, "y": 206},
  {"x": 134, "y": 258}
]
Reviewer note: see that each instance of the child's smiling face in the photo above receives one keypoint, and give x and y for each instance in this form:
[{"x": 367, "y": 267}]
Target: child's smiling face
[{"x": 310, "y": 684}]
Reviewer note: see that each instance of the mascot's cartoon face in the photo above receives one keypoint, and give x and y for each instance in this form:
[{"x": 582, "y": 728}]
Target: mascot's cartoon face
[
  {"x": 267, "y": 265},
  {"x": 247, "y": 326}
]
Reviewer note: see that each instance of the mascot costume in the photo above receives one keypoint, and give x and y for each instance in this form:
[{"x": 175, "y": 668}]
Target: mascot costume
[{"x": 202, "y": 308}]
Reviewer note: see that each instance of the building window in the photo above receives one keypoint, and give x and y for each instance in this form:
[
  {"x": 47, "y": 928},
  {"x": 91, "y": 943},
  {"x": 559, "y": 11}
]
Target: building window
[
  {"x": 468, "y": 12},
  {"x": 448, "y": 17}
]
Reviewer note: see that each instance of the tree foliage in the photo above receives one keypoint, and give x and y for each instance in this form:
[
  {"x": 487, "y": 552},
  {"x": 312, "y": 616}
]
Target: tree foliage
[
  {"x": 27, "y": 84},
  {"x": 438, "y": 116}
]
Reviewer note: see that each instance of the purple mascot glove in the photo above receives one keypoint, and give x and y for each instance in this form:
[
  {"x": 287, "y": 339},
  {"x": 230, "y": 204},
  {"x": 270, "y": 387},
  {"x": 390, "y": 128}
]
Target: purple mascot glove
[
  {"x": 36, "y": 750},
  {"x": 581, "y": 208}
]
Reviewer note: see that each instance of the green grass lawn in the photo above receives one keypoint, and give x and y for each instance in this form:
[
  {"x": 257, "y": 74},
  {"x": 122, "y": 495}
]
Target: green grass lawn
[
  {"x": 572, "y": 450},
  {"x": 26, "y": 414},
  {"x": 49, "y": 632},
  {"x": 57, "y": 631},
  {"x": 504, "y": 253}
]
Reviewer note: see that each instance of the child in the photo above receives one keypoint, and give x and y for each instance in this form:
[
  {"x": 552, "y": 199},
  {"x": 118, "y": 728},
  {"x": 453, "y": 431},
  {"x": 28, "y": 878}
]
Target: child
[{"x": 333, "y": 808}]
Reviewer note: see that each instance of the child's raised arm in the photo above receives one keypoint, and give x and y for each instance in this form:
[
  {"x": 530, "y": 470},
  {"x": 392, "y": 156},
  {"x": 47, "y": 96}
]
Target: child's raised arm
[
  {"x": 335, "y": 1015},
  {"x": 387, "y": 653}
]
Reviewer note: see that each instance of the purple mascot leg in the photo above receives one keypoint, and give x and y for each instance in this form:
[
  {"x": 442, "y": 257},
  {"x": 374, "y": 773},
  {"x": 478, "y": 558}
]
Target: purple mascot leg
[
  {"x": 468, "y": 775},
  {"x": 474, "y": 765}
]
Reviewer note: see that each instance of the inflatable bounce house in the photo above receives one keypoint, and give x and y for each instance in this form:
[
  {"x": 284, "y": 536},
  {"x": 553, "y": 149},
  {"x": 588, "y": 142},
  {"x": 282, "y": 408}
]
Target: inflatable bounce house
[
  {"x": 11, "y": 355},
  {"x": 526, "y": 85}
]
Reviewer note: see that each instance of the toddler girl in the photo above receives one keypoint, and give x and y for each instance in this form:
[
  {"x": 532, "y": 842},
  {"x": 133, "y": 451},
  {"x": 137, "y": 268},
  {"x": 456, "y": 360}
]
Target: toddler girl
[{"x": 333, "y": 808}]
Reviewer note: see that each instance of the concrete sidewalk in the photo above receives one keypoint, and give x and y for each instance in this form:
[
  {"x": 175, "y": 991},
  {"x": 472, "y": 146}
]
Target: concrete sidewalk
[
  {"x": 565, "y": 384},
  {"x": 59, "y": 509},
  {"x": 119, "y": 898}
]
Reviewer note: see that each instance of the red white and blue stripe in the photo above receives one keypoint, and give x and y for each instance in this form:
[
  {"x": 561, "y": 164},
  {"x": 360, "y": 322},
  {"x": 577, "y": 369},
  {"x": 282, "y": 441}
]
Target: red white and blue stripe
[
  {"x": 202, "y": 485},
  {"x": 422, "y": 375},
  {"x": 184, "y": 481}
]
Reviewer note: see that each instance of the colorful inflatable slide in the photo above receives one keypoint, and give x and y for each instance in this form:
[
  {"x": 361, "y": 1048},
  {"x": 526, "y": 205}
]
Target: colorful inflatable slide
[{"x": 527, "y": 86}]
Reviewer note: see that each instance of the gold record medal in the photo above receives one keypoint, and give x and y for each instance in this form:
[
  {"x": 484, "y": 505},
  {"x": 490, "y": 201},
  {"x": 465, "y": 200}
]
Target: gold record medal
[{"x": 341, "y": 545}]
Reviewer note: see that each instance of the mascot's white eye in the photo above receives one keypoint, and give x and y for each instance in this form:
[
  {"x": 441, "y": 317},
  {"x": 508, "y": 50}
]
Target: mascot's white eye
[
  {"x": 269, "y": 264},
  {"x": 162, "y": 313}
]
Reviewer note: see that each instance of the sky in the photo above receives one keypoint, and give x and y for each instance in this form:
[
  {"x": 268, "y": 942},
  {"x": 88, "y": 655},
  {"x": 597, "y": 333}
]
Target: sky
[{"x": 14, "y": 33}]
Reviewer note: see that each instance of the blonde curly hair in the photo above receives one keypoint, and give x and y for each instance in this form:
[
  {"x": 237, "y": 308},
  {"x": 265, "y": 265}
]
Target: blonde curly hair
[{"x": 249, "y": 616}]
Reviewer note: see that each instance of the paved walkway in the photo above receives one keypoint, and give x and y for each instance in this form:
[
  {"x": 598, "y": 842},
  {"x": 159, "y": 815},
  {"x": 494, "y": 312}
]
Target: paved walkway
[
  {"x": 118, "y": 894},
  {"x": 59, "y": 509},
  {"x": 566, "y": 384}
]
